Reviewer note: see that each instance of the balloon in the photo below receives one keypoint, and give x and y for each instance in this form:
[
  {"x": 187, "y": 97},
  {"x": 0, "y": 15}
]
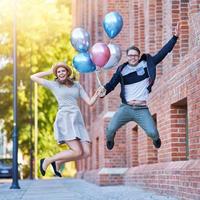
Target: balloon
[
  {"x": 112, "y": 24},
  {"x": 80, "y": 39},
  {"x": 100, "y": 54},
  {"x": 83, "y": 63},
  {"x": 115, "y": 56}
]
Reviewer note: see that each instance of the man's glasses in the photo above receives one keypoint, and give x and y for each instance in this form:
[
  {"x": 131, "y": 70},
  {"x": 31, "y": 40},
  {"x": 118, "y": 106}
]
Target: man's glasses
[{"x": 133, "y": 55}]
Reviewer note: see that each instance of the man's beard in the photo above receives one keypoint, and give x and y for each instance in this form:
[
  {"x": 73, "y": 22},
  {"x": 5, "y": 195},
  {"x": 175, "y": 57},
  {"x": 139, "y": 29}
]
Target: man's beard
[{"x": 133, "y": 65}]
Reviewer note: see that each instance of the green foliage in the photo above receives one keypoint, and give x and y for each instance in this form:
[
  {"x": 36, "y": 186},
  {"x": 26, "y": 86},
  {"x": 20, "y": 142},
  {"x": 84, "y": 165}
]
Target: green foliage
[{"x": 43, "y": 38}]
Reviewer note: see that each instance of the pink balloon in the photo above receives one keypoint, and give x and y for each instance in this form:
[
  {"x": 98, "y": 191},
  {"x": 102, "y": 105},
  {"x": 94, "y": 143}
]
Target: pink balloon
[{"x": 100, "y": 54}]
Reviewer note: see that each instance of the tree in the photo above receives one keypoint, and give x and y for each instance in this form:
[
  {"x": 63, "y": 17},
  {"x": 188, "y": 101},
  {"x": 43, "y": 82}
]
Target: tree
[{"x": 43, "y": 38}]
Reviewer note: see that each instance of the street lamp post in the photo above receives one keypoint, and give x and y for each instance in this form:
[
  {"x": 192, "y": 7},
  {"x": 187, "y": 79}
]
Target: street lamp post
[
  {"x": 31, "y": 121},
  {"x": 36, "y": 127},
  {"x": 15, "y": 184}
]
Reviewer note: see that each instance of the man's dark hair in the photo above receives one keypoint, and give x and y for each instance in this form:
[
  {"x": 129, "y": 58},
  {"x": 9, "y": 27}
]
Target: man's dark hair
[{"x": 132, "y": 48}]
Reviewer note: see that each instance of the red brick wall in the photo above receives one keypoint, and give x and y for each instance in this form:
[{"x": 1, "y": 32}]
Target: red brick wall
[{"x": 174, "y": 101}]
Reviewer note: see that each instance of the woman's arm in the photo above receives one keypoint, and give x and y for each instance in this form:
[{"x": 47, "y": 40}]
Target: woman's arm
[
  {"x": 87, "y": 99},
  {"x": 94, "y": 98},
  {"x": 37, "y": 77}
]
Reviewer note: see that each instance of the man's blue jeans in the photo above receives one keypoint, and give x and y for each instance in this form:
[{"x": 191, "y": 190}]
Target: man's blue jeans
[{"x": 138, "y": 114}]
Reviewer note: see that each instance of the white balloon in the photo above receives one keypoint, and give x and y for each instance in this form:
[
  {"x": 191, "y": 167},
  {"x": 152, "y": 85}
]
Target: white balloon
[{"x": 115, "y": 56}]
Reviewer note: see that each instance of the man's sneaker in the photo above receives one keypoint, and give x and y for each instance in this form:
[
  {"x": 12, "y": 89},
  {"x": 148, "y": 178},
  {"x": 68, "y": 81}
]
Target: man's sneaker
[
  {"x": 110, "y": 144},
  {"x": 157, "y": 143}
]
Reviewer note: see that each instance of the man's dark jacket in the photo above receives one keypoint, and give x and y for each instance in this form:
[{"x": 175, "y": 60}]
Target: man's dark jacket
[{"x": 152, "y": 61}]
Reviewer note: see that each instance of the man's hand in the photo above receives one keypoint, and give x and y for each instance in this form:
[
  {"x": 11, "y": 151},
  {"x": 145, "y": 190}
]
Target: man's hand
[
  {"x": 177, "y": 29},
  {"x": 98, "y": 92},
  {"x": 102, "y": 91}
]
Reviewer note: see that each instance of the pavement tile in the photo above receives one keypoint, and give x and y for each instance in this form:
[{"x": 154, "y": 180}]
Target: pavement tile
[{"x": 74, "y": 189}]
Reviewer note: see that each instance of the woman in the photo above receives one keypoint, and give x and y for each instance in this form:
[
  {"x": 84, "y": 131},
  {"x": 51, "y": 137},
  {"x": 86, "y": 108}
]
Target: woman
[{"x": 69, "y": 126}]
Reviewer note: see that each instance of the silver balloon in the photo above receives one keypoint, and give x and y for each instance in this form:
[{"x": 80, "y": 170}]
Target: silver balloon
[
  {"x": 115, "y": 56},
  {"x": 80, "y": 39}
]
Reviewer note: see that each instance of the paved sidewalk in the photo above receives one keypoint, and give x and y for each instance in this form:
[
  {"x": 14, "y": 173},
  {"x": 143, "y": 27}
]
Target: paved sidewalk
[{"x": 73, "y": 189}]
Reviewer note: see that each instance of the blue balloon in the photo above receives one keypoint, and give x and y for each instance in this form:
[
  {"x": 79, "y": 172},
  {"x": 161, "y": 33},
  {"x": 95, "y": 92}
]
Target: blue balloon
[
  {"x": 112, "y": 24},
  {"x": 83, "y": 63}
]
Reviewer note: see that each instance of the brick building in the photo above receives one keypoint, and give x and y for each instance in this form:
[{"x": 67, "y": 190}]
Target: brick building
[{"x": 174, "y": 102}]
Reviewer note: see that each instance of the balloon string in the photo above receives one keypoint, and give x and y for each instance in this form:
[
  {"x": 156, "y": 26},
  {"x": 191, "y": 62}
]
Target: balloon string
[
  {"x": 98, "y": 80},
  {"x": 117, "y": 6}
]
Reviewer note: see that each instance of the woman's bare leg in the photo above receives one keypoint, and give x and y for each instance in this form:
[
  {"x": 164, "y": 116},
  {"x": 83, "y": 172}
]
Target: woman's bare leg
[
  {"x": 73, "y": 153},
  {"x": 86, "y": 148}
]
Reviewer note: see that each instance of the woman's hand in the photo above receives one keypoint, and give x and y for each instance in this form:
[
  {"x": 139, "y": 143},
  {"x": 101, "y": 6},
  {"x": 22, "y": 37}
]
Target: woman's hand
[
  {"x": 102, "y": 91},
  {"x": 51, "y": 70},
  {"x": 38, "y": 76},
  {"x": 98, "y": 92},
  {"x": 94, "y": 98},
  {"x": 87, "y": 99}
]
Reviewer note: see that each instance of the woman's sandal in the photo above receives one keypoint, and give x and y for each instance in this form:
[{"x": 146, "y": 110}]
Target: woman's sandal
[
  {"x": 57, "y": 173},
  {"x": 41, "y": 169}
]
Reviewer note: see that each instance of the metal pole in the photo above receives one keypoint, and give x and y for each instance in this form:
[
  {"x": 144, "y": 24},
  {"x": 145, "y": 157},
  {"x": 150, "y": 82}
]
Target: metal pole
[
  {"x": 31, "y": 129},
  {"x": 31, "y": 119},
  {"x": 36, "y": 126},
  {"x": 15, "y": 184}
]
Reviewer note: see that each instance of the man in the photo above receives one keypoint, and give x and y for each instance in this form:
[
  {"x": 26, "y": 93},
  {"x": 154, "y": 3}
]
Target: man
[{"x": 136, "y": 77}]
